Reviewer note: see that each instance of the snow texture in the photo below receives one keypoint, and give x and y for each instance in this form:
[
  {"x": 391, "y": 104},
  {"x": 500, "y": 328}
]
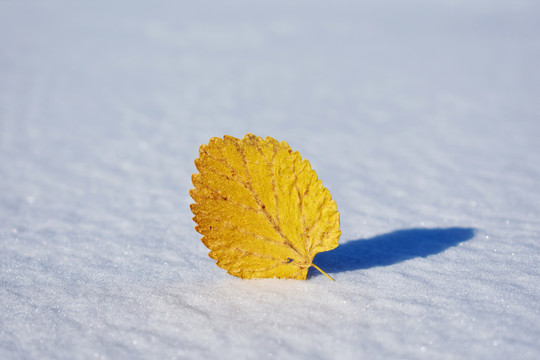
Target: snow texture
[{"x": 421, "y": 118}]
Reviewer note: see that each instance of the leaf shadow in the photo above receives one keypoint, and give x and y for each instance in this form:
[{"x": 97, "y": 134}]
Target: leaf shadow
[{"x": 391, "y": 248}]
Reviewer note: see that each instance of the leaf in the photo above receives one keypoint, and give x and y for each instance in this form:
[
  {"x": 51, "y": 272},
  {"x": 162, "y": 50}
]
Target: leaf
[{"x": 261, "y": 209}]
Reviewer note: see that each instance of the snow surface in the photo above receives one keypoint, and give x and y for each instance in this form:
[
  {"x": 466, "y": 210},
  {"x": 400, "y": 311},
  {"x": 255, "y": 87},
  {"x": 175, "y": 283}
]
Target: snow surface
[{"x": 421, "y": 118}]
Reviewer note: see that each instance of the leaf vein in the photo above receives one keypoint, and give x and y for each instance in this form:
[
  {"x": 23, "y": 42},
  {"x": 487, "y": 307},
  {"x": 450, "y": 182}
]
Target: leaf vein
[
  {"x": 237, "y": 204},
  {"x": 228, "y": 166},
  {"x": 262, "y": 256},
  {"x": 305, "y": 234},
  {"x": 253, "y": 234},
  {"x": 259, "y": 202},
  {"x": 274, "y": 187}
]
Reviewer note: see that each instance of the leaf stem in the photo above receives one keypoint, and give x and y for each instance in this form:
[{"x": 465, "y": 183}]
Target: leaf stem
[{"x": 325, "y": 274}]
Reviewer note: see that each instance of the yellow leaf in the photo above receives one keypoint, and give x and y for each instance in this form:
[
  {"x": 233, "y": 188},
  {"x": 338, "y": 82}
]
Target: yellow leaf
[{"x": 261, "y": 209}]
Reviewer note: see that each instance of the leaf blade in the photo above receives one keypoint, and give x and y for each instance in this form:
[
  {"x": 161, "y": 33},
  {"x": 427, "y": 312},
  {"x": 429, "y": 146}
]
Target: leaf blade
[{"x": 261, "y": 208}]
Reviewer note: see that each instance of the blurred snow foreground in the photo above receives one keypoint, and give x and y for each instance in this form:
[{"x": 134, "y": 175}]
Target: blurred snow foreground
[{"x": 422, "y": 121}]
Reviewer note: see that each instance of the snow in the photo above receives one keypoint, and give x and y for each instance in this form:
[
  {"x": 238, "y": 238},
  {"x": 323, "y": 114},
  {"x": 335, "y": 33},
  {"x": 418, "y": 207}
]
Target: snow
[{"x": 421, "y": 119}]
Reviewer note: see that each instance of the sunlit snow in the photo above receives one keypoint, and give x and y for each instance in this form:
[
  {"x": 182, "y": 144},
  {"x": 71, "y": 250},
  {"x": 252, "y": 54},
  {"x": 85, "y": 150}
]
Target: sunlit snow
[{"x": 421, "y": 118}]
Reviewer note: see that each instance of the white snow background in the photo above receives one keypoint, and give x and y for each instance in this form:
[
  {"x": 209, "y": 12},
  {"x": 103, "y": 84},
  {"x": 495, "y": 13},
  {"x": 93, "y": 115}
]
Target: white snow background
[{"x": 422, "y": 119}]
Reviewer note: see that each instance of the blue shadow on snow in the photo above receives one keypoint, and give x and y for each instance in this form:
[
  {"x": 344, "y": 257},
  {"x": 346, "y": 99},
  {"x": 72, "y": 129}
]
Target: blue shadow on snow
[{"x": 389, "y": 249}]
